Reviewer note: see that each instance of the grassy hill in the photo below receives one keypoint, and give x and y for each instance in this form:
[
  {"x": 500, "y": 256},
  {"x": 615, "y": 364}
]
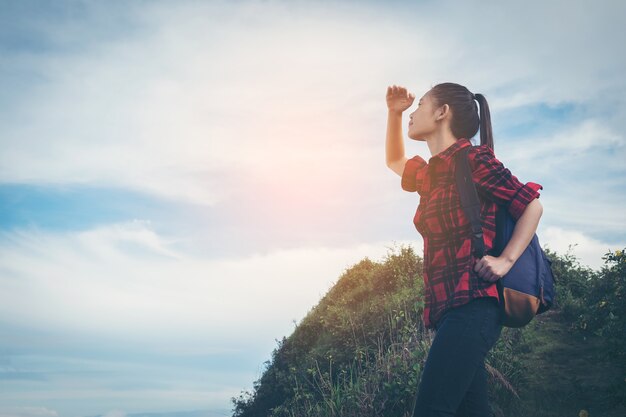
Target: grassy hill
[
  {"x": 360, "y": 351},
  {"x": 569, "y": 372}
]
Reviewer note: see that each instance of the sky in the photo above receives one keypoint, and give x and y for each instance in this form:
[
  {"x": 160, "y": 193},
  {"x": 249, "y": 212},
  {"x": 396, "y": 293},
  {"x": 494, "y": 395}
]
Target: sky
[{"x": 182, "y": 181}]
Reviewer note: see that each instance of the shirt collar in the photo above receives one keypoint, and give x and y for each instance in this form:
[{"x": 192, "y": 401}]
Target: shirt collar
[{"x": 447, "y": 153}]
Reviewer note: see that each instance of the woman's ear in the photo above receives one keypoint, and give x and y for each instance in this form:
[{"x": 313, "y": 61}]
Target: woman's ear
[{"x": 442, "y": 112}]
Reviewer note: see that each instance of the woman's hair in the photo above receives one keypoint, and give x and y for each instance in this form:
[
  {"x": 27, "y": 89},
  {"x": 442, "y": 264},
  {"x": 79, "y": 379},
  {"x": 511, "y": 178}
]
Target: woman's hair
[{"x": 465, "y": 120}]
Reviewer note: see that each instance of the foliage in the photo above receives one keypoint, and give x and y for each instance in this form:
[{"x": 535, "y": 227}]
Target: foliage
[
  {"x": 573, "y": 281},
  {"x": 360, "y": 351},
  {"x": 604, "y": 314}
]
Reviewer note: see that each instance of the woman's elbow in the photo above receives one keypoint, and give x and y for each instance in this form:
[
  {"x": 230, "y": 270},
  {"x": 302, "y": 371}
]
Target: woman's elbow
[{"x": 398, "y": 166}]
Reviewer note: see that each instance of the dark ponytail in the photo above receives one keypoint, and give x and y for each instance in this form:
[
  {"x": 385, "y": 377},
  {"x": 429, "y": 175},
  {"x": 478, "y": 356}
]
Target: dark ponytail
[
  {"x": 465, "y": 119},
  {"x": 486, "y": 134}
]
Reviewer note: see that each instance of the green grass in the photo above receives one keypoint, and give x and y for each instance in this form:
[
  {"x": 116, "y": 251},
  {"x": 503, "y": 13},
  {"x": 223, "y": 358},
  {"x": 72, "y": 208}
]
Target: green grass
[
  {"x": 564, "y": 373},
  {"x": 360, "y": 351}
]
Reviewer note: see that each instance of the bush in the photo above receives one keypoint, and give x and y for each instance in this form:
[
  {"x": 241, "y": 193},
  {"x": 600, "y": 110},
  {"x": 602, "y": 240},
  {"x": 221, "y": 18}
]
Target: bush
[{"x": 360, "y": 351}]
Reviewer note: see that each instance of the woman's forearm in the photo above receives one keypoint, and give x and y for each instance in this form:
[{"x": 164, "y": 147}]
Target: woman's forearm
[
  {"x": 525, "y": 228},
  {"x": 394, "y": 143}
]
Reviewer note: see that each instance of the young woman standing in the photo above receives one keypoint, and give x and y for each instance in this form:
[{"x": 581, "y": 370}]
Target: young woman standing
[{"x": 460, "y": 293}]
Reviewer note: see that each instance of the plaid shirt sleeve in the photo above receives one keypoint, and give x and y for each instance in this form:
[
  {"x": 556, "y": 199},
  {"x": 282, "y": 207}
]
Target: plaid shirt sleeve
[
  {"x": 496, "y": 183},
  {"x": 414, "y": 174}
]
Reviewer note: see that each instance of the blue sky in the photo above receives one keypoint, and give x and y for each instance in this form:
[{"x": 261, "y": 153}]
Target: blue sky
[{"x": 181, "y": 181}]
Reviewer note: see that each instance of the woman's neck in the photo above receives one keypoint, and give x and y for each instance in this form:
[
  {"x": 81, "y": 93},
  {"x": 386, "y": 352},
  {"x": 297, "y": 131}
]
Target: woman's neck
[{"x": 440, "y": 142}]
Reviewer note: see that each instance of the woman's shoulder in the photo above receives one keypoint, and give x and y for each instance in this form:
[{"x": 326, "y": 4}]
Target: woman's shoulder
[
  {"x": 481, "y": 151},
  {"x": 481, "y": 155},
  {"x": 483, "y": 159}
]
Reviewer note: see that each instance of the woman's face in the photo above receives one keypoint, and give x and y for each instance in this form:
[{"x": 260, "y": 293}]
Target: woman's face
[{"x": 422, "y": 120}]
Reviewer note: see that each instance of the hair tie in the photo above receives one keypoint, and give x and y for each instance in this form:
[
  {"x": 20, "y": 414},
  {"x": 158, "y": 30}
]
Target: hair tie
[{"x": 474, "y": 96}]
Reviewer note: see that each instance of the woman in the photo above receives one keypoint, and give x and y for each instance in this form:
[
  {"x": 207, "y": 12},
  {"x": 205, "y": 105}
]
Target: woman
[{"x": 460, "y": 293}]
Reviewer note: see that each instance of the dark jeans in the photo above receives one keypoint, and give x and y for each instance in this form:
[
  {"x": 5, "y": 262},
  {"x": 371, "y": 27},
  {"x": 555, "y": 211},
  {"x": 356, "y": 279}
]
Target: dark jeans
[{"x": 454, "y": 380}]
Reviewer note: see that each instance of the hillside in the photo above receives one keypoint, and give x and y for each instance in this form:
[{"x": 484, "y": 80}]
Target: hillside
[
  {"x": 360, "y": 351},
  {"x": 567, "y": 372}
]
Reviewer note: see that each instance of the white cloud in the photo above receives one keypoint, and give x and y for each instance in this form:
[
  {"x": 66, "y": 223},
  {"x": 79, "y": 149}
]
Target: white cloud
[
  {"x": 27, "y": 412},
  {"x": 179, "y": 110},
  {"x": 588, "y": 250},
  {"x": 279, "y": 106},
  {"x": 124, "y": 280},
  {"x": 559, "y": 148},
  {"x": 210, "y": 95},
  {"x": 114, "y": 413}
]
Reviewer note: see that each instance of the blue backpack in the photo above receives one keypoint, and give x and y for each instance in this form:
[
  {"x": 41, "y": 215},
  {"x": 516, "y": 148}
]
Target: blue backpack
[{"x": 528, "y": 288}]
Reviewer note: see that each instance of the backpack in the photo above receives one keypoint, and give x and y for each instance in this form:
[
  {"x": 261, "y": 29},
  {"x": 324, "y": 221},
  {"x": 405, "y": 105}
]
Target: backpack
[{"x": 528, "y": 288}]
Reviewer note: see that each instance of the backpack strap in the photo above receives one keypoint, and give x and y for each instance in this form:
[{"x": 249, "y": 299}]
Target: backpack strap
[{"x": 469, "y": 200}]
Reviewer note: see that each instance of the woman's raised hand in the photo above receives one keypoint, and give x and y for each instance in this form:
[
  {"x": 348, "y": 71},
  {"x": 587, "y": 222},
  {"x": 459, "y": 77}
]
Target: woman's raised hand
[{"x": 398, "y": 98}]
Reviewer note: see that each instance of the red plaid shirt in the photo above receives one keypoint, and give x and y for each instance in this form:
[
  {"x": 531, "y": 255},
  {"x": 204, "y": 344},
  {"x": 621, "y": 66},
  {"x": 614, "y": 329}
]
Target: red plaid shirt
[{"x": 449, "y": 276}]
